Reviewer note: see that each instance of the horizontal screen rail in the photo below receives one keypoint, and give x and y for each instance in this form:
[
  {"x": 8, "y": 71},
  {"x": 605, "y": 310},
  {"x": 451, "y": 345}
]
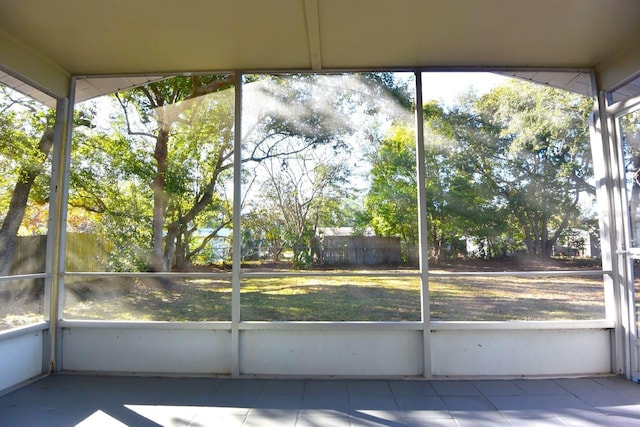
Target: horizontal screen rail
[
  {"x": 275, "y": 274},
  {"x": 23, "y": 277},
  {"x": 537, "y": 273}
]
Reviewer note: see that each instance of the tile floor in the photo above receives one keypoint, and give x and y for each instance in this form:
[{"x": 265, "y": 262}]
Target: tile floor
[{"x": 69, "y": 400}]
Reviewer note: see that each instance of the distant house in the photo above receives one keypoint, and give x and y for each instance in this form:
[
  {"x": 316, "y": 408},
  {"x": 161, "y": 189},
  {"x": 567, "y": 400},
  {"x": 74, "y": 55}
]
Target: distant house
[
  {"x": 585, "y": 245},
  {"x": 219, "y": 248}
]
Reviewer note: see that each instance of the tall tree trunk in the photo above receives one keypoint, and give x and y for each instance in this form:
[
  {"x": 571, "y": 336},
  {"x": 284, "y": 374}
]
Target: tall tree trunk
[
  {"x": 18, "y": 204},
  {"x": 160, "y": 155}
]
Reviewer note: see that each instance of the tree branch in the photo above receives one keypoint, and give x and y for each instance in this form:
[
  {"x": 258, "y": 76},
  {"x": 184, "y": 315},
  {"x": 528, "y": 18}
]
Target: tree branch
[{"x": 126, "y": 118}]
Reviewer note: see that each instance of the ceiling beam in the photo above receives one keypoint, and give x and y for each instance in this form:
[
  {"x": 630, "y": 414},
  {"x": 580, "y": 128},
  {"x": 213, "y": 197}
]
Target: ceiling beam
[
  {"x": 313, "y": 33},
  {"x": 32, "y": 67},
  {"x": 620, "y": 68}
]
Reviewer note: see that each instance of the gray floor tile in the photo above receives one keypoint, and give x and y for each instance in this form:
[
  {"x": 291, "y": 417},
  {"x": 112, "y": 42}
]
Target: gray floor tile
[
  {"x": 373, "y": 402},
  {"x": 225, "y": 420},
  {"x": 165, "y": 415},
  {"x": 322, "y": 419},
  {"x": 219, "y": 412},
  {"x": 434, "y": 410},
  {"x": 283, "y": 387},
  {"x": 474, "y": 411},
  {"x": 607, "y": 398},
  {"x": 529, "y": 422},
  {"x": 401, "y": 388},
  {"x": 560, "y": 404},
  {"x": 427, "y": 416},
  {"x": 271, "y": 417},
  {"x": 322, "y": 413},
  {"x": 238, "y": 400},
  {"x": 198, "y": 386},
  {"x": 425, "y": 403},
  {"x": 336, "y": 388},
  {"x": 100, "y": 418},
  {"x": 621, "y": 385},
  {"x": 127, "y": 414},
  {"x": 624, "y": 410},
  {"x": 279, "y": 401},
  {"x": 381, "y": 416},
  {"x": 624, "y": 421},
  {"x": 65, "y": 400},
  {"x": 497, "y": 388},
  {"x": 586, "y": 419},
  {"x": 37, "y": 416},
  {"x": 240, "y": 385},
  {"x": 540, "y": 387},
  {"x": 520, "y": 407},
  {"x": 481, "y": 419},
  {"x": 368, "y": 387},
  {"x": 325, "y": 401},
  {"x": 421, "y": 422},
  {"x": 455, "y": 388},
  {"x": 581, "y": 386},
  {"x": 468, "y": 404}
]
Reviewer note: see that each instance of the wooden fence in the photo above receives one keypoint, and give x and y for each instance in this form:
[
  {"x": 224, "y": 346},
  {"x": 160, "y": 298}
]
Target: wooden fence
[
  {"x": 361, "y": 250},
  {"x": 85, "y": 252}
]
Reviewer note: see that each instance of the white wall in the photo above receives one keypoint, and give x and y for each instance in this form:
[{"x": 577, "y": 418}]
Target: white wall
[
  {"x": 521, "y": 352},
  {"x": 331, "y": 352},
  {"x": 341, "y": 349},
  {"x": 145, "y": 350},
  {"x": 20, "y": 358}
]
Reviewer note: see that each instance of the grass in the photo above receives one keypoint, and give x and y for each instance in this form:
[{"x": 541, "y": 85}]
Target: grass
[
  {"x": 328, "y": 298},
  {"x": 332, "y": 299},
  {"x": 340, "y": 299}
]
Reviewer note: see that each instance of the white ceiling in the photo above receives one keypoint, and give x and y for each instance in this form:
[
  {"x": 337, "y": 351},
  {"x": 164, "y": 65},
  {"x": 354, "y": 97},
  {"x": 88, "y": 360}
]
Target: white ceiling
[{"x": 163, "y": 36}]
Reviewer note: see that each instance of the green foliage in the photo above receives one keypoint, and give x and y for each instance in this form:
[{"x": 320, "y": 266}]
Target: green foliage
[
  {"x": 23, "y": 123},
  {"x": 392, "y": 198},
  {"x": 506, "y": 170},
  {"x": 540, "y": 161},
  {"x": 304, "y": 140},
  {"x": 163, "y": 158}
]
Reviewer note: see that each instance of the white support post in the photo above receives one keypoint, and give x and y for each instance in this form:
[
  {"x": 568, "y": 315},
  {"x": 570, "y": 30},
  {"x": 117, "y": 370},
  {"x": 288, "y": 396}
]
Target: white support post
[
  {"x": 237, "y": 199},
  {"x": 612, "y": 212},
  {"x": 625, "y": 332},
  {"x": 422, "y": 231},
  {"x": 621, "y": 239},
  {"x": 51, "y": 284},
  {"x": 56, "y": 240}
]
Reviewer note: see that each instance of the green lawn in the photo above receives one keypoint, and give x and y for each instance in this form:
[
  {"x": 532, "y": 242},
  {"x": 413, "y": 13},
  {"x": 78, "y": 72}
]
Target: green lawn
[
  {"x": 328, "y": 298},
  {"x": 339, "y": 299}
]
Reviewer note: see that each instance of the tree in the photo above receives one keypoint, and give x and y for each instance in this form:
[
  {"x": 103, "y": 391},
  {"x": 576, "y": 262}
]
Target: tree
[
  {"x": 26, "y": 132},
  {"x": 306, "y": 184},
  {"x": 170, "y": 155},
  {"x": 452, "y": 204},
  {"x": 461, "y": 197},
  {"x": 301, "y": 189},
  {"x": 540, "y": 158},
  {"x": 392, "y": 198},
  {"x": 505, "y": 169},
  {"x": 263, "y": 234},
  {"x": 182, "y": 119}
]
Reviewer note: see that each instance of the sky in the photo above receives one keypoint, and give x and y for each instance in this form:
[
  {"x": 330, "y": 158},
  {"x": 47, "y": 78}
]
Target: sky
[{"x": 447, "y": 86}]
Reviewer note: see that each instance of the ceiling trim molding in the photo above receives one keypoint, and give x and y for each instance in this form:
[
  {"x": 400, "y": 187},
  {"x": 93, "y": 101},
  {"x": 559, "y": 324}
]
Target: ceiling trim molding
[{"x": 313, "y": 33}]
